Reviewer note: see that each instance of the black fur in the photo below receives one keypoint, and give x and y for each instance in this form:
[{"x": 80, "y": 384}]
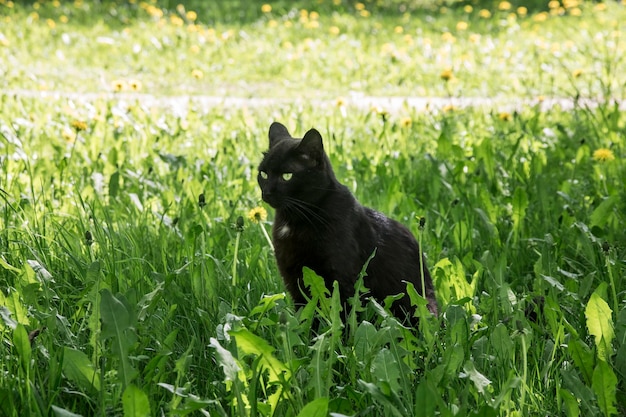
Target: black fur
[{"x": 319, "y": 224}]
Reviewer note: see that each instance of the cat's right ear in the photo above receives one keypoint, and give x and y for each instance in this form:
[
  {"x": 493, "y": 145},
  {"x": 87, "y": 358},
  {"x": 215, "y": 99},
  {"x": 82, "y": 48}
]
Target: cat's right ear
[
  {"x": 277, "y": 132},
  {"x": 312, "y": 146}
]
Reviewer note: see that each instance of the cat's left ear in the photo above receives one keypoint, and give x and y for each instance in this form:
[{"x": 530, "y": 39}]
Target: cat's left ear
[{"x": 312, "y": 145}]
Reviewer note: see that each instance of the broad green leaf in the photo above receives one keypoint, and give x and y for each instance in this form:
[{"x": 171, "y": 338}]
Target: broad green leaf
[
  {"x": 453, "y": 358},
  {"x": 582, "y": 392},
  {"x": 501, "y": 342},
  {"x": 316, "y": 408},
  {"x": 385, "y": 368},
  {"x": 317, "y": 287},
  {"x": 604, "y": 385},
  {"x": 382, "y": 395},
  {"x": 251, "y": 344},
  {"x": 78, "y": 368},
  {"x": 602, "y": 214},
  {"x": 363, "y": 341},
  {"x": 480, "y": 381},
  {"x": 62, "y": 412},
  {"x": 570, "y": 403},
  {"x": 22, "y": 347},
  {"x": 18, "y": 313},
  {"x": 116, "y": 326},
  {"x": 426, "y": 398},
  {"x": 135, "y": 402},
  {"x": 4, "y": 264},
  {"x": 583, "y": 358},
  {"x": 114, "y": 184},
  {"x": 600, "y": 325}
]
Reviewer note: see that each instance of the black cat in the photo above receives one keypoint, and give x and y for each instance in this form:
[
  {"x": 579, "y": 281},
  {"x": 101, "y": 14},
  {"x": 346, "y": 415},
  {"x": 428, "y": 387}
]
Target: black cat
[{"x": 319, "y": 224}]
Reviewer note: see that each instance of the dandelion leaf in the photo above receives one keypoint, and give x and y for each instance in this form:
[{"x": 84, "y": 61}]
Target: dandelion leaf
[
  {"x": 600, "y": 324},
  {"x": 135, "y": 402},
  {"x": 385, "y": 368},
  {"x": 316, "y": 408},
  {"x": 78, "y": 368},
  {"x": 226, "y": 360},
  {"x": 604, "y": 385}
]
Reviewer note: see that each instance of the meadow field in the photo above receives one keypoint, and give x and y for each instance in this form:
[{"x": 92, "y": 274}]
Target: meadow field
[{"x": 137, "y": 277}]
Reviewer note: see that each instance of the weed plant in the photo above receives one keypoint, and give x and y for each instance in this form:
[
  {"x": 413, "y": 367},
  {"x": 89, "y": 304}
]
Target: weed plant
[{"x": 136, "y": 275}]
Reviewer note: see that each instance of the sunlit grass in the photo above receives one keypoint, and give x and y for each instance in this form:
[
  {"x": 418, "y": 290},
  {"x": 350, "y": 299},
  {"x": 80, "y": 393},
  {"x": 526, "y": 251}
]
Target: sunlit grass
[
  {"x": 575, "y": 48},
  {"x": 136, "y": 272}
]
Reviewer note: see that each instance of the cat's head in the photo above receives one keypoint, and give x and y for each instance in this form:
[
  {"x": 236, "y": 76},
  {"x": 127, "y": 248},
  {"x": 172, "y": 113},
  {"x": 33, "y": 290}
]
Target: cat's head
[{"x": 294, "y": 170}]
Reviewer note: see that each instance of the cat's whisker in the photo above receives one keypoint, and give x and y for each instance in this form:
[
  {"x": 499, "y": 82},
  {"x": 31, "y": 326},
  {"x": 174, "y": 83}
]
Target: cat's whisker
[{"x": 308, "y": 210}]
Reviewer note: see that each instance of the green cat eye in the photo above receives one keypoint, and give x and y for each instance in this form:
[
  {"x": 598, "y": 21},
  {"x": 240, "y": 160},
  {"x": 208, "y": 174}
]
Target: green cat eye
[
  {"x": 263, "y": 174},
  {"x": 287, "y": 176}
]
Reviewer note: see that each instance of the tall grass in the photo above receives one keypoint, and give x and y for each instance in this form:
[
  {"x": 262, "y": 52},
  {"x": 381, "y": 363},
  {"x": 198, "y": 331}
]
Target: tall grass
[
  {"x": 134, "y": 282},
  {"x": 110, "y": 253}
]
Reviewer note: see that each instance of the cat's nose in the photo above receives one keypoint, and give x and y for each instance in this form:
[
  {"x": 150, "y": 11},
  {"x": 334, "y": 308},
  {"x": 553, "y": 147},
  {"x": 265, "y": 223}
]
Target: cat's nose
[{"x": 269, "y": 198}]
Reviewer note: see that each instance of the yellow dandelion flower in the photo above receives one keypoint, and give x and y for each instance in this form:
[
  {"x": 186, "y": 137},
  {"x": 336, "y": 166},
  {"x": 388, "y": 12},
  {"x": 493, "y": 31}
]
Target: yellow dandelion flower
[
  {"x": 568, "y": 4},
  {"x": 540, "y": 17},
  {"x": 63, "y": 19},
  {"x": 365, "y": 13},
  {"x": 461, "y": 26},
  {"x": 577, "y": 73},
  {"x": 449, "y": 108},
  {"x": 359, "y": 6},
  {"x": 51, "y": 23},
  {"x": 176, "y": 21},
  {"x": 474, "y": 38},
  {"x": 504, "y": 116},
  {"x": 135, "y": 85},
  {"x": 334, "y": 30},
  {"x": 448, "y": 37},
  {"x": 197, "y": 74},
  {"x": 575, "y": 11},
  {"x": 484, "y": 13},
  {"x": 272, "y": 23},
  {"x": 314, "y": 15},
  {"x": 406, "y": 122},
  {"x": 257, "y": 215},
  {"x": 312, "y": 24},
  {"x": 194, "y": 49},
  {"x": 603, "y": 155},
  {"x": 468, "y": 9},
  {"x": 340, "y": 102},
  {"x": 78, "y": 125},
  {"x": 69, "y": 135},
  {"x": 554, "y": 4},
  {"x": 191, "y": 15},
  {"x": 522, "y": 11},
  {"x": 599, "y": 7},
  {"x": 504, "y": 5},
  {"x": 446, "y": 75},
  {"x": 266, "y": 8},
  {"x": 118, "y": 85}
]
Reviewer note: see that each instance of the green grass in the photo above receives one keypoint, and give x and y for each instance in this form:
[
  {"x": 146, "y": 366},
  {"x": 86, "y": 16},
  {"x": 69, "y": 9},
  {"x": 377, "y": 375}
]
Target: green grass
[
  {"x": 125, "y": 238},
  {"x": 316, "y": 51}
]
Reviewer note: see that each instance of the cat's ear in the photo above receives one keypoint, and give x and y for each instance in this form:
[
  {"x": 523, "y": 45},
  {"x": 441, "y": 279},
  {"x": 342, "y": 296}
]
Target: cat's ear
[
  {"x": 311, "y": 145},
  {"x": 277, "y": 132}
]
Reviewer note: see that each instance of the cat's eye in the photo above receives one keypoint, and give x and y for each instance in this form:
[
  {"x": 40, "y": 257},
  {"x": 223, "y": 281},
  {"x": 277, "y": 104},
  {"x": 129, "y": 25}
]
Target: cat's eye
[
  {"x": 287, "y": 176},
  {"x": 263, "y": 174}
]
